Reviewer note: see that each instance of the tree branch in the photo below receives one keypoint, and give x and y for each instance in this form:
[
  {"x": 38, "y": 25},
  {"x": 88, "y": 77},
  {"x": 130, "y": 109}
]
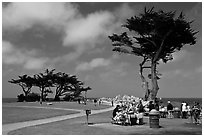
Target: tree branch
[
  {"x": 144, "y": 60},
  {"x": 149, "y": 40},
  {"x": 146, "y": 67},
  {"x": 141, "y": 69},
  {"x": 161, "y": 47}
]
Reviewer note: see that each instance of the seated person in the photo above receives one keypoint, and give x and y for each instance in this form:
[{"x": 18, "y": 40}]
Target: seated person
[
  {"x": 116, "y": 110},
  {"x": 131, "y": 109}
]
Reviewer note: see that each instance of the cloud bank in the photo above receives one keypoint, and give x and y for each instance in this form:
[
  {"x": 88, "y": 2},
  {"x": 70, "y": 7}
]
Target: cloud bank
[
  {"x": 28, "y": 59},
  {"x": 97, "y": 62},
  {"x": 80, "y": 32},
  {"x": 21, "y": 16}
]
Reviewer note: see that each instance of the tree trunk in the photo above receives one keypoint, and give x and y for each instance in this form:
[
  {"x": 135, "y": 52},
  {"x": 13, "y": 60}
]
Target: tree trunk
[
  {"x": 42, "y": 91},
  {"x": 155, "y": 86},
  {"x": 57, "y": 94},
  {"x": 27, "y": 92},
  {"x": 85, "y": 98},
  {"x": 145, "y": 86},
  {"x": 26, "y": 96}
]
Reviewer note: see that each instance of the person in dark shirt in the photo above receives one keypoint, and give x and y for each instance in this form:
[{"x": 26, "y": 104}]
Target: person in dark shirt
[
  {"x": 115, "y": 111},
  {"x": 140, "y": 107},
  {"x": 95, "y": 101},
  {"x": 170, "y": 109},
  {"x": 151, "y": 106},
  {"x": 156, "y": 104},
  {"x": 196, "y": 112}
]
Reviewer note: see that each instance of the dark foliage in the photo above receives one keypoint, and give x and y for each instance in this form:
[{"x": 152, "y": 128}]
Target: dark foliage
[
  {"x": 65, "y": 84},
  {"x": 154, "y": 36},
  {"x": 32, "y": 97},
  {"x": 153, "y": 30},
  {"x": 21, "y": 98}
]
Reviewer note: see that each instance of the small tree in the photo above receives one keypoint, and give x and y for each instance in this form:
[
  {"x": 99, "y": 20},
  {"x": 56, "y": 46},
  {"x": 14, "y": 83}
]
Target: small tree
[
  {"x": 154, "y": 36},
  {"x": 25, "y": 82},
  {"x": 61, "y": 80},
  {"x": 85, "y": 90},
  {"x": 65, "y": 83},
  {"x": 44, "y": 81}
]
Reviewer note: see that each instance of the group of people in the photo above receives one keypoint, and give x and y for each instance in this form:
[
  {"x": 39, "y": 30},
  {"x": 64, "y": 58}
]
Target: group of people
[
  {"x": 128, "y": 113},
  {"x": 132, "y": 112},
  {"x": 193, "y": 112}
]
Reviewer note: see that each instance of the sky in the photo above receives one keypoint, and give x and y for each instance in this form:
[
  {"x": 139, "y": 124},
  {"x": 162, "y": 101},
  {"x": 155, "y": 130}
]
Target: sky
[{"x": 73, "y": 38}]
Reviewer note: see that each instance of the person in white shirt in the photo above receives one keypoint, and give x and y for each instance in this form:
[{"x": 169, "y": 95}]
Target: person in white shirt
[{"x": 184, "y": 110}]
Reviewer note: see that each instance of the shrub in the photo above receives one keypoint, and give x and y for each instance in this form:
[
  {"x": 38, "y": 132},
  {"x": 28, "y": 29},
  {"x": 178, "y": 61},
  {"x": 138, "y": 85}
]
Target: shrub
[
  {"x": 57, "y": 98},
  {"x": 21, "y": 97},
  {"x": 33, "y": 97},
  {"x": 67, "y": 98}
]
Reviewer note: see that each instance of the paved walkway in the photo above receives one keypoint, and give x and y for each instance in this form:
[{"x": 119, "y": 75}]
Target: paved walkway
[{"x": 14, "y": 126}]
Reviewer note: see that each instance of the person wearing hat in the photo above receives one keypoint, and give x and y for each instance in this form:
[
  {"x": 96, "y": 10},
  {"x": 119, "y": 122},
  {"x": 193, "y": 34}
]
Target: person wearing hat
[{"x": 170, "y": 109}]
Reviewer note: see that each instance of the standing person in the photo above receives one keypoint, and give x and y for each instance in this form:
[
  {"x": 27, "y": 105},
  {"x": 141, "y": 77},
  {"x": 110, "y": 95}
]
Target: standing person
[
  {"x": 170, "y": 109},
  {"x": 181, "y": 109},
  {"x": 188, "y": 111},
  {"x": 196, "y": 112},
  {"x": 140, "y": 108},
  {"x": 151, "y": 106},
  {"x": 95, "y": 101},
  {"x": 156, "y": 104},
  {"x": 184, "y": 110},
  {"x": 112, "y": 102}
]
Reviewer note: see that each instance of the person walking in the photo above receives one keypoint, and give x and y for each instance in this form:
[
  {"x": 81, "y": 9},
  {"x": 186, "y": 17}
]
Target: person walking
[{"x": 170, "y": 110}]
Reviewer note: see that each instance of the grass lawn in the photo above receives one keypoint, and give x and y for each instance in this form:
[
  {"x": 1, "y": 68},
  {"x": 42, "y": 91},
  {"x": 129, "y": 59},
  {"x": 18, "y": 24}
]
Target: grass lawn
[
  {"x": 13, "y": 114},
  {"x": 17, "y": 114},
  {"x": 100, "y": 125},
  {"x": 71, "y": 105}
]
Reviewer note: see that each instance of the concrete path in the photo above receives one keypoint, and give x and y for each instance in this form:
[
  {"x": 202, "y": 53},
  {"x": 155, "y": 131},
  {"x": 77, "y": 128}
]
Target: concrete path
[{"x": 14, "y": 126}]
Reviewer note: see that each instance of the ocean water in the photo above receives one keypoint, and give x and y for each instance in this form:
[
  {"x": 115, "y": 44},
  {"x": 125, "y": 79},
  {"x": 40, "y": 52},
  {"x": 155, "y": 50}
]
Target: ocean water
[{"x": 9, "y": 100}]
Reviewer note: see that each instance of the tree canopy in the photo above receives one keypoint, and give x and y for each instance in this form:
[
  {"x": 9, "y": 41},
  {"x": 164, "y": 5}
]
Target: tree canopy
[
  {"x": 25, "y": 81},
  {"x": 64, "y": 84},
  {"x": 154, "y": 35},
  {"x": 157, "y": 34}
]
